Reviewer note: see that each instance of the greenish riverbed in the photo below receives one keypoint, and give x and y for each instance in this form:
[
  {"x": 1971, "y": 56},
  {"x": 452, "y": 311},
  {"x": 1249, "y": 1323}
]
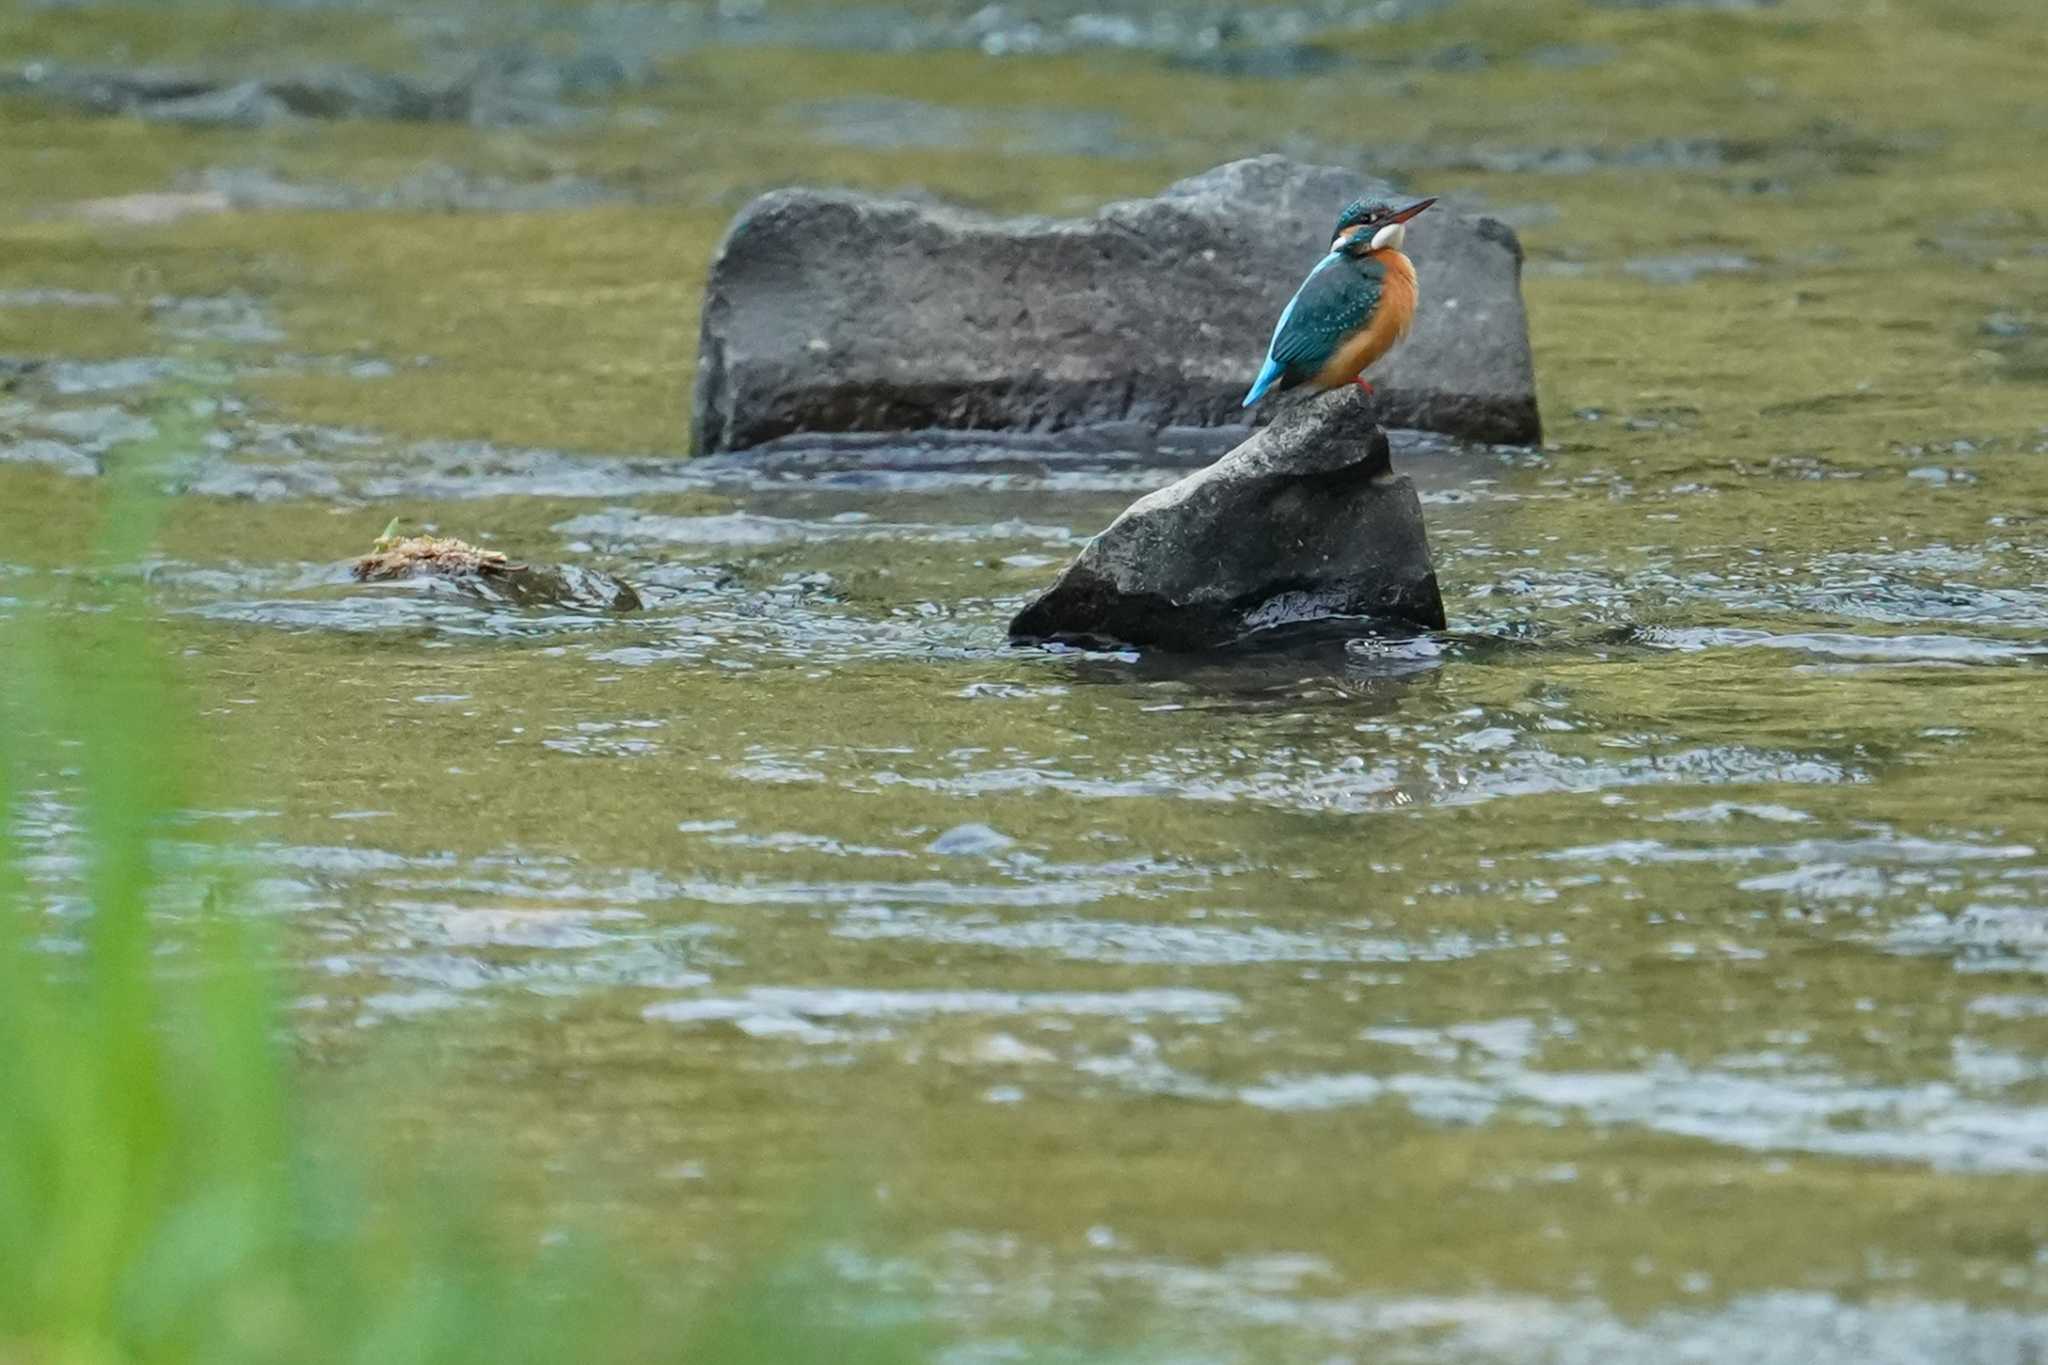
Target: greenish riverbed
[{"x": 1654, "y": 964}]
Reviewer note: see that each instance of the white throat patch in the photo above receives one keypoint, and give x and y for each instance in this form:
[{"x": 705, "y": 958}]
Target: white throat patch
[{"x": 1392, "y": 235}]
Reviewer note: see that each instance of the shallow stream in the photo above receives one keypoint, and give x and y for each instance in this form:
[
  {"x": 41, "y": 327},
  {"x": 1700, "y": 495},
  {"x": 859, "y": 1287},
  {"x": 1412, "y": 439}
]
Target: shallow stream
[{"x": 1654, "y": 967}]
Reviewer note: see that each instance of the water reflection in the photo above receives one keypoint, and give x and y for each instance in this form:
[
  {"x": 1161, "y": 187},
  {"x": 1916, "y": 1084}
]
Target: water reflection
[{"x": 1353, "y": 663}]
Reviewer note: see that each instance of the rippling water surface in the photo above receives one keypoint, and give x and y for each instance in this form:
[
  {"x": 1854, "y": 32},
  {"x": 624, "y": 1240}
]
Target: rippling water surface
[{"x": 1653, "y": 967}]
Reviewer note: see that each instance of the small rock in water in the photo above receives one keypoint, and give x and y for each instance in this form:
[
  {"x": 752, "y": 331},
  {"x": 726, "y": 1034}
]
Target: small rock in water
[
  {"x": 1273, "y": 61},
  {"x": 1571, "y": 56},
  {"x": 490, "y": 575},
  {"x": 96, "y": 429},
  {"x": 1306, "y": 521},
  {"x": 1684, "y": 269},
  {"x": 508, "y": 89},
  {"x": 967, "y": 841},
  {"x": 245, "y": 104},
  {"x": 54, "y": 454}
]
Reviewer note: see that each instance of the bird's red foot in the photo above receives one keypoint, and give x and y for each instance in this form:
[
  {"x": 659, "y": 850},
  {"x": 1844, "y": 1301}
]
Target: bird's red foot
[{"x": 1363, "y": 386}]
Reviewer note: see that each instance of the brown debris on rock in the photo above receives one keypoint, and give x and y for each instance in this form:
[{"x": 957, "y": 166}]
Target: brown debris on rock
[
  {"x": 408, "y": 556},
  {"x": 490, "y": 575}
]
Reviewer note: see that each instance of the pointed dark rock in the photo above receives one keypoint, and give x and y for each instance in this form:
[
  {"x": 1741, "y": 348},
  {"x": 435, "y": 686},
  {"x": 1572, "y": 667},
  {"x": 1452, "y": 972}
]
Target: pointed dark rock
[{"x": 1304, "y": 521}]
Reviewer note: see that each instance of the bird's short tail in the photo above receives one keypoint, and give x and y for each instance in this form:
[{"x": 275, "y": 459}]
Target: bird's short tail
[{"x": 1268, "y": 376}]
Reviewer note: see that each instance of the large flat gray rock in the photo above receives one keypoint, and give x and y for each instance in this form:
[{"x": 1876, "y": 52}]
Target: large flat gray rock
[
  {"x": 1304, "y": 521},
  {"x": 830, "y": 311}
]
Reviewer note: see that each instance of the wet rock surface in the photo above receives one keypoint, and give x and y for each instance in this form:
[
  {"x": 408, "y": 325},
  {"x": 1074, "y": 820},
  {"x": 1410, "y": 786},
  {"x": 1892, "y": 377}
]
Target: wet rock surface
[
  {"x": 830, "y": 312},
  {"x": 1305, "y": 521}
]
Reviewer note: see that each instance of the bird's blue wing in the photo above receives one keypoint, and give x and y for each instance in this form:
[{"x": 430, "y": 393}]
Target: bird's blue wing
[
  {"x": 1331, "y": 304},
  {"x": 1337, "y": 299}
]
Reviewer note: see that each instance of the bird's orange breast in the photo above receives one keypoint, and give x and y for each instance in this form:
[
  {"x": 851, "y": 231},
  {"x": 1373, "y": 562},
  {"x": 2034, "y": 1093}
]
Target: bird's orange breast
[{"x": 1388, "y": 324}]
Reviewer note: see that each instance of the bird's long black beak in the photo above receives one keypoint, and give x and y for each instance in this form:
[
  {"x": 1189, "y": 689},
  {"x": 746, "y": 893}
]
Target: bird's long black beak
[{"x": 1405, "y": 214}]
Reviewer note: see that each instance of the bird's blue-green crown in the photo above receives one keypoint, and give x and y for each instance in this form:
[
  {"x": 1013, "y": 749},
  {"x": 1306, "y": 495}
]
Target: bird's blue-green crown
[
  {"x": 1365, "y": 221},
  {"x": 1361, "y": 211}
]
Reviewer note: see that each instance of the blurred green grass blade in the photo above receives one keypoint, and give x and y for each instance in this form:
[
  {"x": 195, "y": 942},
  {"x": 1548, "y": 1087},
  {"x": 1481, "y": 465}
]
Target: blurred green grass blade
[{"x": 163, "y": 1198}]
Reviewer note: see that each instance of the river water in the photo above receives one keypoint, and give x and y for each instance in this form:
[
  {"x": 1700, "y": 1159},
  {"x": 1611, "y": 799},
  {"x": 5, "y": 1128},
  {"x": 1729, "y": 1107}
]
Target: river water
[{"x": 1654, "y": 967}]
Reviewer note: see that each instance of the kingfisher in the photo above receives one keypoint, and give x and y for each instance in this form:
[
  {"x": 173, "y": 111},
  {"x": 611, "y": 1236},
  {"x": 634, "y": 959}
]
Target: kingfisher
[{"x": 1352, "y": 308}]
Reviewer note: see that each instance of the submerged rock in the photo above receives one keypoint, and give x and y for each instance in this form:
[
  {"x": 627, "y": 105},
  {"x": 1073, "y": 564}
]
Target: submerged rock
[
  {"x": 434, "y": 187},
  {"x": 829, "y": 311},
  {"x": 50, "y": 454},
  {"x": 971, "y": 840},
  {"x": 489, "y": 575},
  {"x": 1684, "y": 269},
  {"x": 513, "y": 88},
  {"x": 1268, "y": 61},
  {"x": 1304, "y": 521}
]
